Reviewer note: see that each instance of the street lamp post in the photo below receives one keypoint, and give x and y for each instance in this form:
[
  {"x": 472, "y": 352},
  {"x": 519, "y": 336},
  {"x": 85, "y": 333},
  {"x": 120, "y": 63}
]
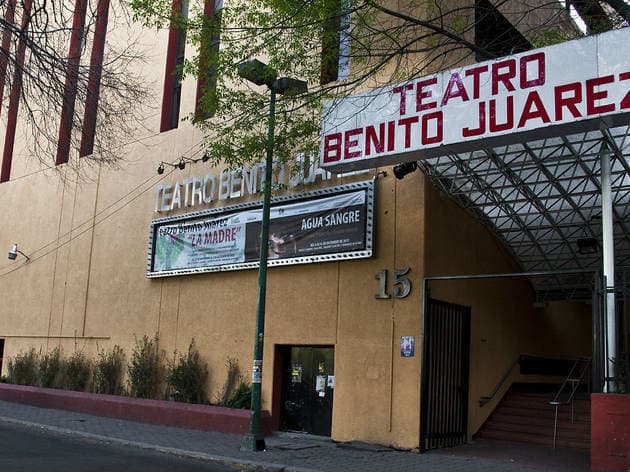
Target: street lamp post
[{"x": 261, "y": 74}]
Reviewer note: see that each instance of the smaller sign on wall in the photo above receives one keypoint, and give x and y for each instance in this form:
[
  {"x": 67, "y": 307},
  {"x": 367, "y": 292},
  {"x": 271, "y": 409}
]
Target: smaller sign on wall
[
  {"x": 296, "y": 373},
  {"x": 407, "y": 346},
  {"x": 320, "y": 384}
]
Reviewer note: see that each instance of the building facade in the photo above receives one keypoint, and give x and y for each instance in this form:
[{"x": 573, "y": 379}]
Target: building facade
[{"x": 345, "y": 328}]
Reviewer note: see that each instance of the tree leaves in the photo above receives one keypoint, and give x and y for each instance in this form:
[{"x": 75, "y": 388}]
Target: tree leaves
[{"x": 388, "y": 44}]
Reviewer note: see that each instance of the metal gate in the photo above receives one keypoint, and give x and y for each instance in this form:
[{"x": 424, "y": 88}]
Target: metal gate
[
  {"x": 620, "y": 383},
  {"x": 599, "y": 333},
  {"x": 445, "y": 370}
]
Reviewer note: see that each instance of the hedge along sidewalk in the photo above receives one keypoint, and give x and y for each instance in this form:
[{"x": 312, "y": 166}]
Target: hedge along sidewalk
[{"x": 161, "y": 412}]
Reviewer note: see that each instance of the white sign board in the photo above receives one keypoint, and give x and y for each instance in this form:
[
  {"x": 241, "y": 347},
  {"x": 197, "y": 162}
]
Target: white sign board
[{"x": 562, "y": 89}]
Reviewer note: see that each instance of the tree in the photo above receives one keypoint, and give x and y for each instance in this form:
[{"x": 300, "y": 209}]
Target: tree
[
  {"x": 384, "y": 42},
  {"x": 56, "y": 70}
]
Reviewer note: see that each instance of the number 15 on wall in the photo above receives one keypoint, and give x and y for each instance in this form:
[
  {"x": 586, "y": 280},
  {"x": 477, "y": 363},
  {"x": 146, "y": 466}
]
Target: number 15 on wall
[{"x": 401, "y": 285}]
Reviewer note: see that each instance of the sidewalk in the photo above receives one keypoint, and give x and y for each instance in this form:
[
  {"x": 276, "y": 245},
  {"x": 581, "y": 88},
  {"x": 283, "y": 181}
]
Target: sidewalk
[{"x": 290, "y": 452}]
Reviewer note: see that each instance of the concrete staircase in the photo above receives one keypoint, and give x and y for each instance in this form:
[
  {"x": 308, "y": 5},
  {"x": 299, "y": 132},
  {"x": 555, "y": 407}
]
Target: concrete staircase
[{"x": 524, "y": 415}]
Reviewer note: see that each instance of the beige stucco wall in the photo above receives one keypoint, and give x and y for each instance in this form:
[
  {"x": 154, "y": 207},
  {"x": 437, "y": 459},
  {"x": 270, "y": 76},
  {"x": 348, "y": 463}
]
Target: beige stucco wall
[
  {"x": 86, "y": 229},
  {"x": 378, "y": 394},
  {"x": 92, "y": 292}
]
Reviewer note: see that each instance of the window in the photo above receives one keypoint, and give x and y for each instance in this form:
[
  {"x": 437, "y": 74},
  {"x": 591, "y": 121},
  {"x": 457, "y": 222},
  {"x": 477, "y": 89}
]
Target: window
[
  {"x": 171, "y": 96},
  {"x": 77, "y": 37},
  {"x": 336, "y": 45},
  {"x": 94, "y": 79},
  {"x": 9, "y": 18},
  {"x": 14, "y": 99},
  {"x": 205, "y": 102},
  {"x": 70, "y": 86},
  {"x": 495, "y": 34}
]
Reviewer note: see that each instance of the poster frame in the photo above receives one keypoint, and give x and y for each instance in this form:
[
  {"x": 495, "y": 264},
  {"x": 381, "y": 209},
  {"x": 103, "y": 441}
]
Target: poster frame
[{"x": 314, "y": 194}]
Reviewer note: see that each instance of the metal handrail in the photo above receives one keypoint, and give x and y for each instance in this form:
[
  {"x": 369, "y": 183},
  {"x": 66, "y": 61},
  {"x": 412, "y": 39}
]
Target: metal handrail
[
  {"x": 575, "y": 383},
  {"x": 487, "y": 398}
]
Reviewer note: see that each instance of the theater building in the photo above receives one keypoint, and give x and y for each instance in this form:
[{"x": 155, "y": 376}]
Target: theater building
[{"x": 390, "y": 297}]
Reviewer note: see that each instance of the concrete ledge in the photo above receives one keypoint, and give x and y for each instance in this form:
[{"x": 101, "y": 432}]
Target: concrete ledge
[
  {"x": 610, "y": 432},
  {"x": 166, "y": 413}
]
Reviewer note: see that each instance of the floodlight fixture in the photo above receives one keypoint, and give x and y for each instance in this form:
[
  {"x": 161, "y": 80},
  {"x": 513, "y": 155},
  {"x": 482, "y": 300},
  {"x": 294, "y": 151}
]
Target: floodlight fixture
[
  {"x": 13, "y": 253},
  {"x": 587, "y": 245},
  {"x": 260, "y": 73},
  {"x": 401, "y": 170},
  {"x": 257, "y": 72},
  {"x": 289, "y": 86}
]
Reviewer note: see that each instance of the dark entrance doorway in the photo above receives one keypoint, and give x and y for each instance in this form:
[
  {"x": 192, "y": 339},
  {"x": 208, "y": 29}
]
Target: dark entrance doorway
[
  {"x": 307, "y": 389},
  {"x": 445, "y": 371}
]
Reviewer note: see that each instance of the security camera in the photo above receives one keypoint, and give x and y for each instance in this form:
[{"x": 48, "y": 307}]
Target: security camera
[
  {"x": 403, "y": 169},
  {"x": 13, "y": 252}
]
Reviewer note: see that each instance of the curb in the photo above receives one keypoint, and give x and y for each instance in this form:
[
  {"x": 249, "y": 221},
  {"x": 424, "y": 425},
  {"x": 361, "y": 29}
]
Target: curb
[{"x": 244, "y": 463}]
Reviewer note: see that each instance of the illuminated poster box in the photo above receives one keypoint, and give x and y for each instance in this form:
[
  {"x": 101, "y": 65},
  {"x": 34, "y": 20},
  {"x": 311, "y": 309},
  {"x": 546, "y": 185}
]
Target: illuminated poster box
[{"x": 322, "y": 225}]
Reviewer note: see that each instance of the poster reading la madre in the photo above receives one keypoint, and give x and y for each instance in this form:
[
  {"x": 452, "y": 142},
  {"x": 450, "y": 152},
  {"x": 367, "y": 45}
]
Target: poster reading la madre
[{"x": 327, "y": 225}]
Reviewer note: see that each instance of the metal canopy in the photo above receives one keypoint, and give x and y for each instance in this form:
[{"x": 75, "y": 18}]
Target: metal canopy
[{"x": 540, "y": 197}]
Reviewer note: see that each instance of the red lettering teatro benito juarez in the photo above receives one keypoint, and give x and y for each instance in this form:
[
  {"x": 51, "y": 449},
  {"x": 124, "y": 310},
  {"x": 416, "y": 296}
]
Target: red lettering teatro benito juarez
[{"x": 509, "y": 95}]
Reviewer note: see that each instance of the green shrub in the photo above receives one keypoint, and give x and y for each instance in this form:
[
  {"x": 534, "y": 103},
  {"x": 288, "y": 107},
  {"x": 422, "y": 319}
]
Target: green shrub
[
  {"x": 23, "y": 368},
  {"x": 187, "y": 377},
  {"x": 78, "y": 372},
  {"x": 231, "y": 381},
  {"x": 236, "y": 392},
  {"x": 4, "y": 379},
  {"x": 108, "y": 371},
  {"x": 50, "y": 369},
  {"x": 242, "y": 396},
  {"x": 146, "y": 369}
]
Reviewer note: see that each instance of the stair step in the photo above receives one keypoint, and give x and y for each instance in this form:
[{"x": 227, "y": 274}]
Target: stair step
[
  {"x": 563, "y": 415},
  {"x": 579, "y": 394},
  {"x": 534, "y": 439},
  {"x": 544, "y": 402},
  {"x": 565, "y": 433},
  {"x": 502, "y": 417},
  {"x": 529, "y": 395},
  {"x": 525, "y": 415}
]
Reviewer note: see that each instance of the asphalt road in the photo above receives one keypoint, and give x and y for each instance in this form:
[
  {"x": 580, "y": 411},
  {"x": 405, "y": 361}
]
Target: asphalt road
[{"x": 25, "y": 449}]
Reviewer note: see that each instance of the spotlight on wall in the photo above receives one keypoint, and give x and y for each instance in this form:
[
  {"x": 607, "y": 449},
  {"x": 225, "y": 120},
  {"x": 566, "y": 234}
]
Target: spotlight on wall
[
  {"x": 205, "y": 157},
  {"x": 587, "y": 245},
  {"x": 539, "y": 302},
  {"x": 182, "y": 164},
  {"x": 403, "y": 169},
  {"x": 160, "y": 169},
  {"x": 13, "y": 253}
]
